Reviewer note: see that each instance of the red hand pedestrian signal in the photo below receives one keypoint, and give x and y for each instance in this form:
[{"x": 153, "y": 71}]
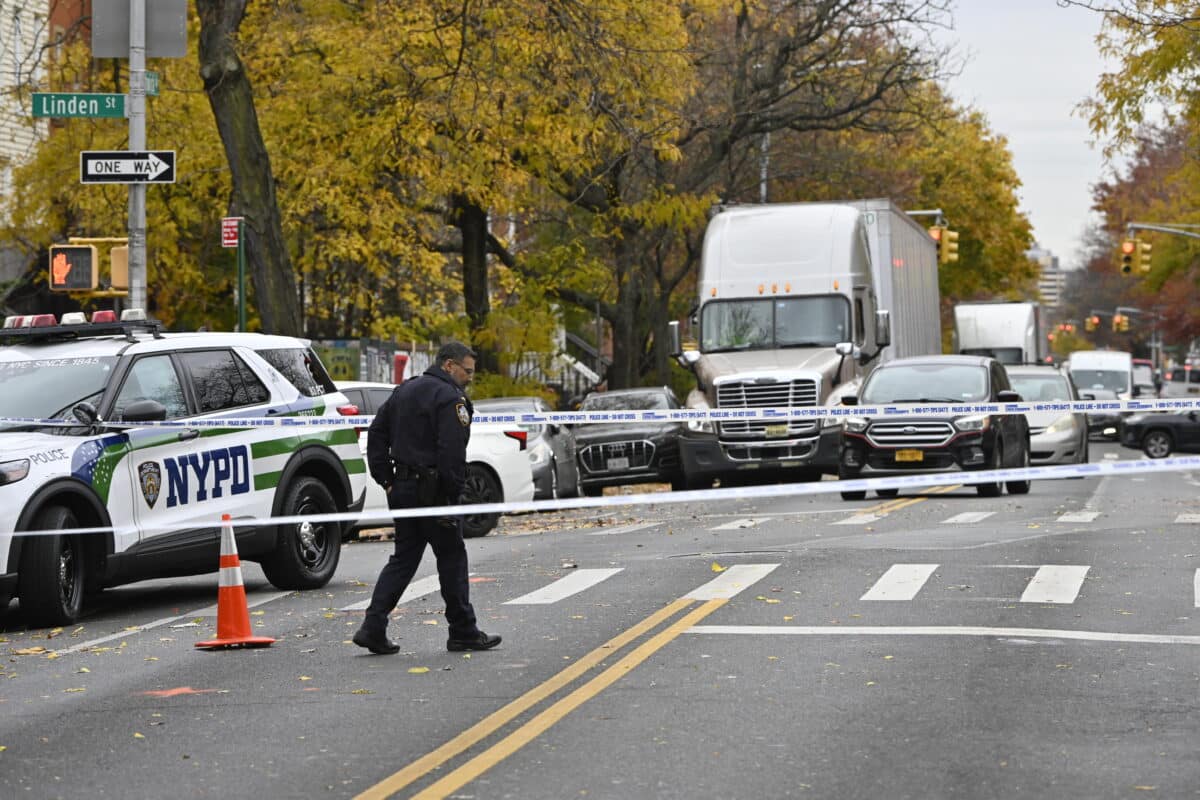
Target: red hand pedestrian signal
[{"x": 73, "y": 268}]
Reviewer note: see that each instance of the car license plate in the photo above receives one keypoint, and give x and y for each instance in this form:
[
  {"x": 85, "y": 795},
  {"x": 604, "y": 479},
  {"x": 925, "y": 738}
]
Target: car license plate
[
  {"x": 618, "y": 463},
  {"x": 777, "y": 430},
  {"x": 910, "y": 455}
]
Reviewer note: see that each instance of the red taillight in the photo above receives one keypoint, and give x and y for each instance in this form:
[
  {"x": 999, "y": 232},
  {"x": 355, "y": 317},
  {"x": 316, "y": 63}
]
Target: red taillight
[
  {"x": 104, "y": 316},
  {"x": 41, "y": 321},
  {"x": 520, "y": 436},
  {"x": 348, "y": 411}
]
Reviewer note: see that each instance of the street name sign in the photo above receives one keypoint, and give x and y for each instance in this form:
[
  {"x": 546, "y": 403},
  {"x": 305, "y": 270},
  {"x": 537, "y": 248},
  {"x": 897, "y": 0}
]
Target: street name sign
[
  {"x": 121, "y": 166},
  {"x": 76, "y": 104}
]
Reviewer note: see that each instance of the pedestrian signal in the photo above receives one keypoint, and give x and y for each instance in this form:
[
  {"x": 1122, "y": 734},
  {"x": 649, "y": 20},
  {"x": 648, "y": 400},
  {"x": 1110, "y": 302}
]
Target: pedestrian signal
[
  {"x": 73, "y": 268},
  {"x": 1128, "y": 250},
  {"x": 118, "y": 261}
]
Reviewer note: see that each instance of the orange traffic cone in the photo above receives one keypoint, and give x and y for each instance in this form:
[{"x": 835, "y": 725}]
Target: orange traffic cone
[{"x": 233, "y": 615}]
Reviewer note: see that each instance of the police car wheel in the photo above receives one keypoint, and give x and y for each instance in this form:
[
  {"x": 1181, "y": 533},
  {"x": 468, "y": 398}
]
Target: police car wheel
[
  {"x": 480, "y": 487},
  {"x": 306, "y": 553},
  {"x": 52, "y": 571}
]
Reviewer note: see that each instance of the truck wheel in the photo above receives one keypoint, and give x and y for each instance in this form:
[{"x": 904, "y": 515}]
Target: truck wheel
[
  {"x": 844, "y": 475},
  {"x": 480, "y": 487},
  {"x": 52, "y": 571},
  {"x": 306, "y": 553}
]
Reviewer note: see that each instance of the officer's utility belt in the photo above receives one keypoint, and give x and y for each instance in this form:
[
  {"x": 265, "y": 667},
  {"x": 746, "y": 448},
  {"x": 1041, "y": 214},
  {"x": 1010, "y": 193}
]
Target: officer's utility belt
[{"x": 408, "y": 472}]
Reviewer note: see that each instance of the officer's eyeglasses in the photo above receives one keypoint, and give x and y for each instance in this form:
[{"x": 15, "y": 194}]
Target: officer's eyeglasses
[{"x": 470, "y": 372}]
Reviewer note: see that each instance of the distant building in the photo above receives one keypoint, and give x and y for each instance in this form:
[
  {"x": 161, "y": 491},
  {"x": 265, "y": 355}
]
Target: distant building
[{"x": 1053, "y": 281}]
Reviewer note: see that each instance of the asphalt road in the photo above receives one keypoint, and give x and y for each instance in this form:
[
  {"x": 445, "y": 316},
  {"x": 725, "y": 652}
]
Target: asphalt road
[{"x": 933, "y": 645}]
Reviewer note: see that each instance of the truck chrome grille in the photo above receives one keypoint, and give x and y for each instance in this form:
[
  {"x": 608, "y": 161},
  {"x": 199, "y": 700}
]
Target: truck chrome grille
[
  {"x": 770, "y": 394},
  {"x": 910, "y": 434},
  {"x": 595, "y": 457}
]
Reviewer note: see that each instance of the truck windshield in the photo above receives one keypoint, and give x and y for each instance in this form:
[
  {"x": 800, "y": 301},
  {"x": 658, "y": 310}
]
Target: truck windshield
[
  {"x": 772, "y": 322},
  {"x": 49, "y": 388},
  {"x": 1111, "y": 379}
]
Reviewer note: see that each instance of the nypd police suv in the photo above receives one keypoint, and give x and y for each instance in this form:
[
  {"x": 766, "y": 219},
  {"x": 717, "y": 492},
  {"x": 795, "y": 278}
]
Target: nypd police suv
[{"x": 161, "y": 491}]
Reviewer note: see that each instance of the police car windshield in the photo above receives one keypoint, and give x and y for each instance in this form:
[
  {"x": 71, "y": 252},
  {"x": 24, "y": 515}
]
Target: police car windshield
[{"x": 48, "y": 388}]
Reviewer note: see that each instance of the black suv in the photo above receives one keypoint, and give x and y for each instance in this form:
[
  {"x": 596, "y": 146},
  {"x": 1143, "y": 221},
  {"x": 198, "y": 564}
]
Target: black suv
[
  {"x": 935, "y": 442},
  {"x": 615, "y": 454}
]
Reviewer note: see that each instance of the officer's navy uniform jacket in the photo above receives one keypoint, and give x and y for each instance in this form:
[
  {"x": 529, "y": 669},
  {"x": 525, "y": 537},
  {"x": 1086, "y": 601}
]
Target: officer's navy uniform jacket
[{"x": 425, "y": 423}]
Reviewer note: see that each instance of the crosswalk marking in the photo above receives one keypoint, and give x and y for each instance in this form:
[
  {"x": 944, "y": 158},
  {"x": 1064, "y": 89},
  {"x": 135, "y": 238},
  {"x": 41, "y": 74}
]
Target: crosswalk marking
[
  {"x": 415, "y": 590},
  {"x": 1079, "y": 516},
  {"x": 733, "y": 580},
  {"x": 858, "y": 519},
  {"x": 900, "y": 582},
  {"x": 968, "y": 517},
  {"x": 564, "y": 587},
  {"x": 1188, "y": 519},
  {"x": 737, "y": 524},
  {"x": 1055, "y": 583}
]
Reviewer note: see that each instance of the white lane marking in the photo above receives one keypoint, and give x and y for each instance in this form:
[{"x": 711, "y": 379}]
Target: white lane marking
[
  {"x": 1187, "y": 519},
  {"x": 417, "y": 589},
  {"x": 637, "y": 526},
  {"x": 1055, "y": 583},
  {"x": 1079, "y": 516},
  {"x": 564, "y": 587},
  {"x": 968, "y": 517},
  {"x": 858, "y": 519},
  {"x": 1196, "y": 588},
  {"x": 868, "y": 630},
  {"x": 252, "y": 600},
  {"x": 75, "y": 648},
  {"x": 733, "y": 580},
  {"x": 738, "y": 524},
  {"x": 900, "y": 582}
]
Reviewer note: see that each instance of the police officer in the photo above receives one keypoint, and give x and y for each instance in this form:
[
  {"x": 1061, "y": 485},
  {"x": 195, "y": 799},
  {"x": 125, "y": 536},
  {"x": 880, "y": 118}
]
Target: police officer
[{"x": 417, "y": 451}]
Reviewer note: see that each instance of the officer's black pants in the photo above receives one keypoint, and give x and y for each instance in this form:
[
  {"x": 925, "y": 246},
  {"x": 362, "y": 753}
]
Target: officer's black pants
[{"x": 412, "y": 534}]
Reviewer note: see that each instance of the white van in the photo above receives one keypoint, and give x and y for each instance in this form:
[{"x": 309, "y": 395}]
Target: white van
[{"x": 1103, "y": 369}]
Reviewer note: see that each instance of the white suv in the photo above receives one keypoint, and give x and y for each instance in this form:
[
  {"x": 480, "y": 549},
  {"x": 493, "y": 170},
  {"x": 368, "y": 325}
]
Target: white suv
[
  {"x": 498, "y": 470},
  {"x": 162, "y": 490}
]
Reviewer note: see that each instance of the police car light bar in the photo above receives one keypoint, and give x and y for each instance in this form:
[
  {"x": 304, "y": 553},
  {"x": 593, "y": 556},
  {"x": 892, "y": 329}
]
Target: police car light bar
[{"x": 74, "y": 325}]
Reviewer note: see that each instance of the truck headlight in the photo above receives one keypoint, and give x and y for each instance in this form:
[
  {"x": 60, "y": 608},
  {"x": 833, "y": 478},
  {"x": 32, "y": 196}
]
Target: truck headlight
[
  {"x": 855, "y": 424},
  {"x": 1062, "y": 425},
  {"x": 13, "y": 471},
  {"x": 700, "y": 425},
  {"x": 980, "y": 423}
]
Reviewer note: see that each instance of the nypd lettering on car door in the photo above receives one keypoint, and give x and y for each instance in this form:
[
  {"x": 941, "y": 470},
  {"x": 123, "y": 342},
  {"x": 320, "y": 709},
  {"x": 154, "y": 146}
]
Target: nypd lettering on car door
[{"x": 216, "y": 473}]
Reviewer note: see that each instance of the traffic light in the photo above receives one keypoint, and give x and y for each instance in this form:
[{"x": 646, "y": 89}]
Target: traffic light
[
  {"x": 1128, "y": 251},
  {"x": 1124, "y": 323},
  {"x": 1144, "y": 256},
  {"x": 1091, "y": 323},
  {"x": 948, "y": 252},
  {"x": 935, "y": 233},
  {"x": 118, "y": 260},
  {"x": 73, "y": 267},
  {"x": 1120, "y": 323}
]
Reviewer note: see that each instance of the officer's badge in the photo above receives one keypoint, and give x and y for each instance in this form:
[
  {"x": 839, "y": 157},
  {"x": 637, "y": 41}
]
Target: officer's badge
[
  {"x": 463, "y": 415},
  {"x": 150, "y": 476}
]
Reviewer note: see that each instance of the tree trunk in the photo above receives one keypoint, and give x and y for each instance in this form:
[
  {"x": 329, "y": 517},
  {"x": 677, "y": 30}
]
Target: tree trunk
[
  {"x": 471, "y": 220},
  {"x": 229, "y": 94}
]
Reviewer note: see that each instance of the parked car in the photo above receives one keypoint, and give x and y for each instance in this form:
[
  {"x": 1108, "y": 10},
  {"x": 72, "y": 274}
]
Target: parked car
[
  {"x": 614, "y": 454},
  {"x": 1159, "y": 434},
  {"x": 1181, "y": 381},
  {"x": 497, "y": 466},
  {"x": 551, "y": 447},
  {"x": 935, "y": 442},
  {"x": 1055, "y": 437}
]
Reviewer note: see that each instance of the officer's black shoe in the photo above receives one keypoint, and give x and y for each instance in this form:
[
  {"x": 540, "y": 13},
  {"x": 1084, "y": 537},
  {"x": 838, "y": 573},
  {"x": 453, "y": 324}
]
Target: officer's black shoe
[
  {"x": 377, "y": 643},
  {"x": 480, "y": 641}
]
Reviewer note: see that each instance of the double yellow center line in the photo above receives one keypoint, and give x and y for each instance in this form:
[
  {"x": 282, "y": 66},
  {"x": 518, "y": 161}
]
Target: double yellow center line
[
  {"x": 904, "y": 502},
  {"x": 540, "y": 723}
]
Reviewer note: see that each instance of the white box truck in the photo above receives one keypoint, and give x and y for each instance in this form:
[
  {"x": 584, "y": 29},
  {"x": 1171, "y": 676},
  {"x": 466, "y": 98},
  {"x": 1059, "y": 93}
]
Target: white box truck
[
  {"x": 790, "y": 313},
  {"x": 1008, "y": 332}
]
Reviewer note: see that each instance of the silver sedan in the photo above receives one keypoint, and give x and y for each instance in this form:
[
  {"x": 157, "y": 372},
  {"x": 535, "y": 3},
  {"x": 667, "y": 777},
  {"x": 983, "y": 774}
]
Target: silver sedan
[{"x": 1055, "y": 437}]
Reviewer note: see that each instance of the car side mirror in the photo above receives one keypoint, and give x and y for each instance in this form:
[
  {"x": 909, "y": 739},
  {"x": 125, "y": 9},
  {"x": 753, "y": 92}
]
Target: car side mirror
[
  {"x": 85, "y": 412},
  {"x": 1087, "y": 396},
  {"x": 144, "y": 411},
  {"x": 1008, "y": 396},
  {"x": 850, "y": 400},
  {"x": 883, "y": 328},
  {"x": 674, "y": 340}
]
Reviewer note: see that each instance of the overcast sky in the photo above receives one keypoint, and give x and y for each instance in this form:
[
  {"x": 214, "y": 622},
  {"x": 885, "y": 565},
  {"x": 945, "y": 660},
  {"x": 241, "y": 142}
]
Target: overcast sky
[{"x": 1029, "y": 64}]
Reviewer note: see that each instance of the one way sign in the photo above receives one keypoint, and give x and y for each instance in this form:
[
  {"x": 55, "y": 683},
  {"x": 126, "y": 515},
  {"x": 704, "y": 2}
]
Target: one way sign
[{"x": 119, "y": 166}]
